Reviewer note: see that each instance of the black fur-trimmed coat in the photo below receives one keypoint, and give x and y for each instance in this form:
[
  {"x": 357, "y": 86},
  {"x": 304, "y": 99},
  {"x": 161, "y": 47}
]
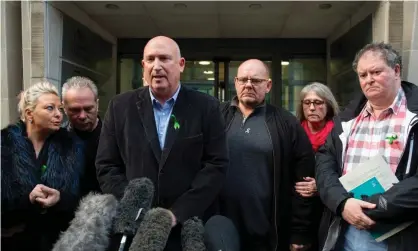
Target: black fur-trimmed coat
[{"x": 20, "y": 174}]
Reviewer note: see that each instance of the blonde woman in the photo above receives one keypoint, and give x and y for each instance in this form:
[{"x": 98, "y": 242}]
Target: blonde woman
[{"x": 41, "y": 166}]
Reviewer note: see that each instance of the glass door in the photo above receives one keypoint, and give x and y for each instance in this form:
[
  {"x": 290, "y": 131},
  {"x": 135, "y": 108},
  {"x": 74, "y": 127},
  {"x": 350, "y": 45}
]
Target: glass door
[
  {"x": 200, "y": 76},
  {"x": 213, "y": 77},
  {"x": 296, "y": 73}
]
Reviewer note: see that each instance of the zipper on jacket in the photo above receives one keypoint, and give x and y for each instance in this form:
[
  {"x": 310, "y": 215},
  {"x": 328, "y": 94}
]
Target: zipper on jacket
[
  {"x": 230, "y": 122},
  {"x": 411, "y": 125},
  {"x": 274, "y": 189},
  {"x": 411, "y": 147}
]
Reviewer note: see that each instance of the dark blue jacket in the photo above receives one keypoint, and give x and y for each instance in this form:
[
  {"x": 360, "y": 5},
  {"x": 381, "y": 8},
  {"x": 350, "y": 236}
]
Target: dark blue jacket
[{"x": 20, "y": 173}]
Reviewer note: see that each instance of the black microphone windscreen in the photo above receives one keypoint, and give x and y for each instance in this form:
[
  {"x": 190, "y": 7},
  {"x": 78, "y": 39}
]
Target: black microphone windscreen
[
  {"x": 90, "y": 228},
  {"x": 138, "y": 194},
  {"x": 193, "y": 235},
  {"x": 221, "y": 234},
  {"x": 153, "y": 233}
]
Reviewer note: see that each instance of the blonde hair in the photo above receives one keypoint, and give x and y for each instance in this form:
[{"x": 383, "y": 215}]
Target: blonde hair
[
  {"x": 79, "y": 82},
  {"x": 323, "y": 92},
  {"x": 28, "y": 99}
]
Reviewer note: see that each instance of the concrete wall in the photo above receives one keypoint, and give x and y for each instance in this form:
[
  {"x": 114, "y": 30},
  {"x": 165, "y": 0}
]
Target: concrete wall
[
  {"x": 109, "y": 87},
  {"x": 334, "y": 81},
  {"x": 394, "y": 22},
  {"x": 10, "y": 60}
]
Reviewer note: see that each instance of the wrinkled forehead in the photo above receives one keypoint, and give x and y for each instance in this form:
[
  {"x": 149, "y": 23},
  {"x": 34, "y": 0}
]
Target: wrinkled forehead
[
  {"x": 252, "y": 70},
  {"x": 48, "y": 98},
  {"x": 312, "y": 95},
  {"x": 81, "y": 101},
  {"x": 371, "y": 59},
  {"x": 160, "y": 48}
]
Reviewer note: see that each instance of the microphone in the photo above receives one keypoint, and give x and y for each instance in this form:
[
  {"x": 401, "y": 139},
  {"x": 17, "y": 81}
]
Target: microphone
[
  {"x": 193, "y": 235},
  {"x": 153, "y": 233},
  {"x": 91, "y": 226},
  {"x": 138, "y": 197},
  {"x": 221, "y": 234}
]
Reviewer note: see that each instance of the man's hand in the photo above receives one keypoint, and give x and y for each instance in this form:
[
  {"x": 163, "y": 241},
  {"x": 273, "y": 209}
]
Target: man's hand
[
  {"x": 353, "y": 213},
  {"x": 306, "y": 188},
  {"x": 36, "y": 193},
  {"x": 52, "y": 196},
  {"x": 174, "y": 220},
  {"x": 298, "y": 247}
]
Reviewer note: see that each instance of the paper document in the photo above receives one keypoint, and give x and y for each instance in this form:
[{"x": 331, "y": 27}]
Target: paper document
[{"x": 369, "y": 178}]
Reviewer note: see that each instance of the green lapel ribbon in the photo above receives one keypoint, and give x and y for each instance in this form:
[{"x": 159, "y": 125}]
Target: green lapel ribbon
[
  {"x": 391, "y": 138},
  {"x": 176, "y": 123},
  {"x": 43, "y": 169}
]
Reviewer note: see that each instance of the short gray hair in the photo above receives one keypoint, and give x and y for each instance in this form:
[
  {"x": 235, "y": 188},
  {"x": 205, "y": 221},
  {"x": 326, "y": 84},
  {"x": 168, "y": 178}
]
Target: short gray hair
[
  {"x": 28, "y": 99},
  {"x": 324, "y": 93},
  {"x": 79, "y": 82},
  {"x": 390, "y": 55}
]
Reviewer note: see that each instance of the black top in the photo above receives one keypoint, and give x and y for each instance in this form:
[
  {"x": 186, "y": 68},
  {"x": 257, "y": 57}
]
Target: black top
[
  {"x": 293, "y": 159},
  {"x": 91, "y": 140},
  {"x": 247, "y": 195}
]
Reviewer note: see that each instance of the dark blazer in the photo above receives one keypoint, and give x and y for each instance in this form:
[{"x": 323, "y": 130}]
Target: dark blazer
[
  {"x": 188, "y": 173},
  {"x": 20, "y": 173}
]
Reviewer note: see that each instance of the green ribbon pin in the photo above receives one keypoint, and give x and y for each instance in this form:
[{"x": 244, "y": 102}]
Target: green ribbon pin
[
  {"x": 176, "y": 123},
  {"x": 43, "y": 169},
  {"x": 391, "y": 138}
]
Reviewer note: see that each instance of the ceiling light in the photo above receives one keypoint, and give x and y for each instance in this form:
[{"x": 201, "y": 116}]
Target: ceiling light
[
  {"x": 204, "y": 62},
  {"x": 324, "y": 6},
  {"x": 285, "y": 62},
  {"x": 211, "y": 79},
  {"x": 255, "y": 6},
  {"x": 208, "y": 72},
  {"x": 111, "y": 6},
  {"x": 180, "y": 6}
]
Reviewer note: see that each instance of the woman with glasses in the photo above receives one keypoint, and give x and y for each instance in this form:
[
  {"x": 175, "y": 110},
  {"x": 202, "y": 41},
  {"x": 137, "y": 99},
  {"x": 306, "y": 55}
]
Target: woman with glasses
[{"x": 315, "y": 112}]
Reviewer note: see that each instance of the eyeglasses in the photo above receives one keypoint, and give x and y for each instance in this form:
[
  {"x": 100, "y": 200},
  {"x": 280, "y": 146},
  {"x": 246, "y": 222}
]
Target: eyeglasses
[
  {"x": 315, "y": 102},
  {"x": 253, "y": 81}
]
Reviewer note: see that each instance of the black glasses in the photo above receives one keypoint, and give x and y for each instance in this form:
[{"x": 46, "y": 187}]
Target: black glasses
[
  {"x": 253, "y": 81},
  {"x": 315, "y": 102}
]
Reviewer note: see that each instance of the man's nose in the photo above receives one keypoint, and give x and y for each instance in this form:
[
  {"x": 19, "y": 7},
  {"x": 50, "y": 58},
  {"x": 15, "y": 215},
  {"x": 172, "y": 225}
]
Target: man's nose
[
  {"x": 82, "y": 115},
  {"x": 369, "y": 79},
  {"x": 248, "y": 84},
  {"x": 157, "y": 64}
]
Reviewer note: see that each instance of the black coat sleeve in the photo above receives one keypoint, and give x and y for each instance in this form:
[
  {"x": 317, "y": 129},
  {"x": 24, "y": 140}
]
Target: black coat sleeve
[
  {"x": 303, "y": 165},
  {"x": 110, "y": 168},
  {"x": 209, "y": 180},
  {"x": 330, "y": 189},
  {"x": 398, "y": 204}
]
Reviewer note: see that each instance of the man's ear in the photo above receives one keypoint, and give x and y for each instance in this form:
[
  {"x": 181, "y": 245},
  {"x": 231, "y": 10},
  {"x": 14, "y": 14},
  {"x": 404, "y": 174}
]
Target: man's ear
[
  {"x": 397, "y": 70},
  {"x": 97, "y": 102},
  {"x": 269, "y": 86}
]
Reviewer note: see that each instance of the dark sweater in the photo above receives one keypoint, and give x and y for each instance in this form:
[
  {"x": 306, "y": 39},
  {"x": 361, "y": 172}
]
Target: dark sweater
[
  {"x": 247, "y": 195},
  {"x": 293, "y": 159},
  {"x": 91, "y": 141}
]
